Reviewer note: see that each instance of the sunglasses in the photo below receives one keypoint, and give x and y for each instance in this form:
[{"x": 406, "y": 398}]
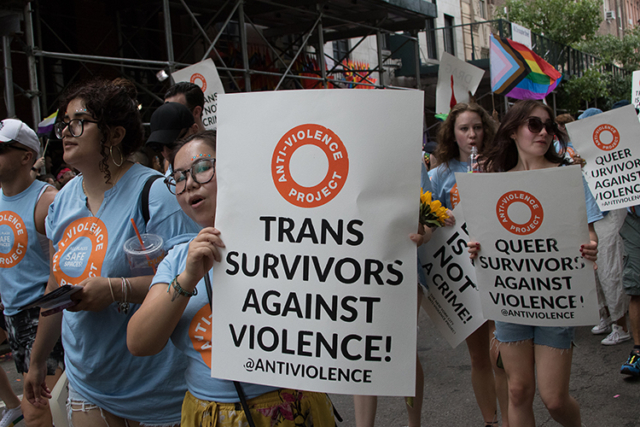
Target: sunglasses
[
  {"x": 4, "y": 148},
  {"x": 535, "y": 125}
]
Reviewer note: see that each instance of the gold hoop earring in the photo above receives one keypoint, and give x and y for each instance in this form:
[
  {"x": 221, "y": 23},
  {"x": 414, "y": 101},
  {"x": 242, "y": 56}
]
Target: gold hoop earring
[{"x": 114, "y": 160}]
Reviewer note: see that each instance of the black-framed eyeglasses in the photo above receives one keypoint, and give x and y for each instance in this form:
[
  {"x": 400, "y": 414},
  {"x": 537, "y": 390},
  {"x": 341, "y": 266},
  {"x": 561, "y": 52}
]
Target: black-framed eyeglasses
[
  {"x": 76, "y": 127},
  {"x": 201, "y": 171},
  {"x": 5, "y": 147},
  {"x": 535, "y": 125}
]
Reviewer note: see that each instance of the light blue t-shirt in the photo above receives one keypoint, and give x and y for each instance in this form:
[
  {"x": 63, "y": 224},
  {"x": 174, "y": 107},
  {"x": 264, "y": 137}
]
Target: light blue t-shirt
[
  {"x": 24, "y": 253},
  {"x": 193, "y": 337},
  {"x": 443, "y": 182},
  {"x": 99, "y": 365}
]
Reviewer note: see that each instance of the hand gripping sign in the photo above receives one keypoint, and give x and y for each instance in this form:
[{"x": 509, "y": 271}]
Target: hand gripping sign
[
  {"x": 529, "y": 269},
  {"x": 609, "y": 144},
  {"x": 317, "y": 285}
]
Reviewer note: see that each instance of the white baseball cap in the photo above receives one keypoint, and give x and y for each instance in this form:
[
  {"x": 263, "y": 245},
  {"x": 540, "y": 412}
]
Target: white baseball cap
[{"x": 16, "y": 130}]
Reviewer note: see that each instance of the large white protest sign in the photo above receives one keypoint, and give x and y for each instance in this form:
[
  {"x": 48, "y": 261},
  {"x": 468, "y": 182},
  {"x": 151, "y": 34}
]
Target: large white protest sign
[
  {"x": 318, "y": 192},
  {"x": 530, "y": 226},
  {"x": 609, "y": 144},
  {"x": 453, "y": 303},
  {"x": 456, "y": 78},
  {"x": 205, "y": 75}
]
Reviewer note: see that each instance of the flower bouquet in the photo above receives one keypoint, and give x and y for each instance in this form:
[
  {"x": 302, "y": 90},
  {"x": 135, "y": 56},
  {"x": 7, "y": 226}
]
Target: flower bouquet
[{"x": 432, "y": 213}]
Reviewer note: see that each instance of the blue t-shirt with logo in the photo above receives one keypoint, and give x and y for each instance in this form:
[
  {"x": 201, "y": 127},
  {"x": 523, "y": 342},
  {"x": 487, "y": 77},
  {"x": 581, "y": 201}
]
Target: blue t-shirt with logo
[
  {"x": 24, "y": 253},
  {"x": 193, "y": 337},
  {"x": 99, "y": 365},
  {"x": 443, "y": 182}
]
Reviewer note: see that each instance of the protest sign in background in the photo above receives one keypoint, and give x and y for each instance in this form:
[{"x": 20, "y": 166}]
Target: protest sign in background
[
  {"x": 530, "y": 226},
  {"x": 205, "y": 75},
  {"x": 318, "y": 192},
  {"x": 453, "y": 303},
  {"x": 609, "y": 144},
  {"x": 456, "y": 78},
  {"x": 635, "y": 89}
]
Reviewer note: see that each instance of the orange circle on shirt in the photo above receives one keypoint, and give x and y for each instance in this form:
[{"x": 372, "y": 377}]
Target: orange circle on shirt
[
  {"x": 197, "y": 76},
  {"x": 454, "y": 196},
  {"x": 534, "y": 205},
  {"x": 20, "y": 239},
  {"x": 334, "y": 180},
  {"x": 95, "y": 231},
  {"x": 200, "y": 333},
  {"x": 606, "y": 128}
]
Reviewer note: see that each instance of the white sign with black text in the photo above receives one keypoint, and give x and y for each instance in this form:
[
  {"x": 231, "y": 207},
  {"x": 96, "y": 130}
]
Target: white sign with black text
[
  {"x": 530, "y": 226},
  {"x": 609, "y": 144},
  {"x": 453, "y": 303},
  {"x": 317, "y": 286},
  {"x": 205, "y": 75}
]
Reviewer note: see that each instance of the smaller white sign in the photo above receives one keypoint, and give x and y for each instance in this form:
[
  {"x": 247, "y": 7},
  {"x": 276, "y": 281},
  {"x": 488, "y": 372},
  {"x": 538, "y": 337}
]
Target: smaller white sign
[
  {"x": 530, "y": 226},
  {"x": 609, "y": 144},
  {"x": 635, "y": 89},
  {"x": 205, "y": 75},
  {"x": 456, "y": 78},
  {"x": 453, "y": 303},
  {"x": 521, "y": 34}
]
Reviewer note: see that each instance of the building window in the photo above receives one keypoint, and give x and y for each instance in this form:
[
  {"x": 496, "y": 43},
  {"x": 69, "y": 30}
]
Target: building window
[
  {"x": 448, "y": 35},
  {"x": 483, "y": 9},
  {"x": 340, "y": 50},
  {"x": 432, "y": 52}
]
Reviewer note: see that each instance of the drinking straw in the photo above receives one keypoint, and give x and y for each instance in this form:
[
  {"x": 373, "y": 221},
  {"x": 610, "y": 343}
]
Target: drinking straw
[{"x": 135, "y": 228}]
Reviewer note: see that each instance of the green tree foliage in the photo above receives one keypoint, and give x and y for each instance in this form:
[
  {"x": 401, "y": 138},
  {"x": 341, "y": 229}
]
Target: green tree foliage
[
  {"x": 563, "y": 21},
  {"x": 611, "y": 49},
  {"x": 578, "y": 92}
]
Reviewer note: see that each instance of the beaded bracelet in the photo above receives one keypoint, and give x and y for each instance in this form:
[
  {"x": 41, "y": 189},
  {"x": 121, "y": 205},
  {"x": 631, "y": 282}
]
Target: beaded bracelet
[
  {"x": 124, "y": 305},
  {"x": 178, "y": 290}
]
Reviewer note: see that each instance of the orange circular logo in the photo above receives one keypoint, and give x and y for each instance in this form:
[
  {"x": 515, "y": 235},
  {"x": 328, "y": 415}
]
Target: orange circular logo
[
  {"x": 13, "y": 239},
  {"x": 197, "y": 76},
  {"x": 606, "y": 128},
  {"x": 537, "y": 213},
  {"x": 81, "y": 251},
  {"x": 330, "y": 186},
  {"x": 200, "y": 333},
  {"x": 454, "y": 196}
]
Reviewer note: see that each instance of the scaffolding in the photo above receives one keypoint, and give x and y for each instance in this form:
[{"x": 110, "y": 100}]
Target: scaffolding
[{"x": 76, "y": 39}]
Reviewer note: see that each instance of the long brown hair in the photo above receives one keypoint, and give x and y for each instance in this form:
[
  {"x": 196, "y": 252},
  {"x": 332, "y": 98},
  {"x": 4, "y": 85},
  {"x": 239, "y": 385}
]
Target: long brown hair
[
  {"x": 447, "y": 148},
  {"x": 502, "y": 154}
]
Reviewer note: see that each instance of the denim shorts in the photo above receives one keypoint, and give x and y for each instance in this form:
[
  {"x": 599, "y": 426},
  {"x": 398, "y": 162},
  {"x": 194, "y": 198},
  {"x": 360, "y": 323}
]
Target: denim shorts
[{"x": 550, "y": 336}]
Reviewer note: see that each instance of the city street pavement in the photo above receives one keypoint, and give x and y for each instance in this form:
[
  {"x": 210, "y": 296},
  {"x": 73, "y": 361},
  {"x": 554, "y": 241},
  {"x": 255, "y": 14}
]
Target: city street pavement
[{"x": 607, "y": 399}]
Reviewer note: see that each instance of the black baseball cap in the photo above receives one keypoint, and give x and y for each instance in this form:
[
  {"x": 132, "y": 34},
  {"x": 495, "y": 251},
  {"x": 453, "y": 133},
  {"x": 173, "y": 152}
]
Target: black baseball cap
[{"x": 168, "y": 122}]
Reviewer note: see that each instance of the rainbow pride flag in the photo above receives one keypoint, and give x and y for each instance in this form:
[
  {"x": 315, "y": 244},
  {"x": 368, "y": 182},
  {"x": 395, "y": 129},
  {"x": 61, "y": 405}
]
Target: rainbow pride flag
[{"x": 519, "y": 73}]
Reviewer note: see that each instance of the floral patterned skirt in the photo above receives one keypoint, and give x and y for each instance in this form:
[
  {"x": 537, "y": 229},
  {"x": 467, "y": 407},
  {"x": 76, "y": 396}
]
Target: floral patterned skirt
[{"x": 280, "y": 408}]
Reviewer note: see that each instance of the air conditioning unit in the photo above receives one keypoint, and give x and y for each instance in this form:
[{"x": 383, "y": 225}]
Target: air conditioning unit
[{"x": 610, "y": 14}]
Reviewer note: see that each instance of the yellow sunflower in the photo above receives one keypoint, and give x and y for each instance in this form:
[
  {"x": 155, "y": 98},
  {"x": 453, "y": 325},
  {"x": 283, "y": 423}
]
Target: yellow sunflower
[{"x": 432, "y": 213}]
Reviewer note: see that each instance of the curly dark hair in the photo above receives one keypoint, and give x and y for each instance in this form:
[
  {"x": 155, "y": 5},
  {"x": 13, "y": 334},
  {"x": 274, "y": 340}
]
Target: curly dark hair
[
  {"x": 112, "y": 104},
  {"x": 502, "y": 155},
  {"x": 447, "y": 148}
]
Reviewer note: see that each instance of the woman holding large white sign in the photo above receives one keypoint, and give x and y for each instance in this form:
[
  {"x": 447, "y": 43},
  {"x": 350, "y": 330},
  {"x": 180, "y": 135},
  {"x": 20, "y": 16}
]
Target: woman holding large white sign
[
  {"x": 467, "y": 126},
  {"x": 178, "y": 307},
  {"x": 524, "y": 142}
]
